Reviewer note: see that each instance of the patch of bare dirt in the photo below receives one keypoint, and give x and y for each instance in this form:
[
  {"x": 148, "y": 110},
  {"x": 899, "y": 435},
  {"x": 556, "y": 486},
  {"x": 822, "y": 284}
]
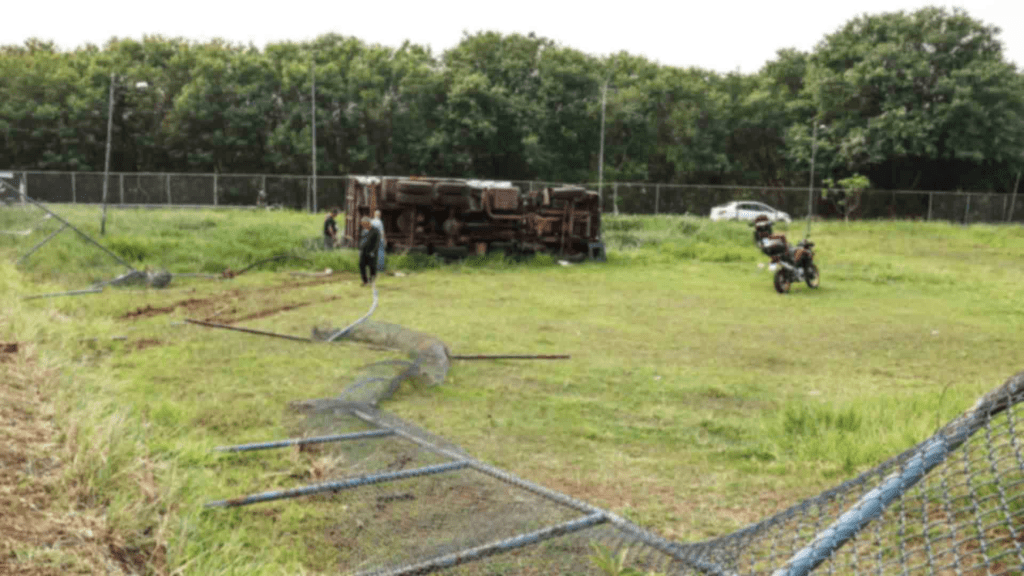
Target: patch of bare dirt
[
  {"x": 210, "y": 304},
  {"x": 38, "y": 534},
  {"x": 145, "y": 343},
  {"x": 7, "y": 351},
  {"x": 191, "y": 305},
  {"x": 276, "y": 310}
]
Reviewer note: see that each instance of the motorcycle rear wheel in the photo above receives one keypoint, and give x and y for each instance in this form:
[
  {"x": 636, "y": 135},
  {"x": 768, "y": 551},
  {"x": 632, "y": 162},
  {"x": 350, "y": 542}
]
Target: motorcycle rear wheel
[
  {"x": 812, "y": 277},
  {"x": 782, "y": 282}
]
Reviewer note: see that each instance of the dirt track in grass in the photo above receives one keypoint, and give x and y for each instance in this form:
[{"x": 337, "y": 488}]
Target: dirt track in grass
[{"x": 42, "y": 533}]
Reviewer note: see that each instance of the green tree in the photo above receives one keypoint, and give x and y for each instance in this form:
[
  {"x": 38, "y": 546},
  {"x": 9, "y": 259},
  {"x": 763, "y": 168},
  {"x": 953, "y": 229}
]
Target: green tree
[
  {"x": 923, "y": 99},
  {"x": 845, "y": 194}
]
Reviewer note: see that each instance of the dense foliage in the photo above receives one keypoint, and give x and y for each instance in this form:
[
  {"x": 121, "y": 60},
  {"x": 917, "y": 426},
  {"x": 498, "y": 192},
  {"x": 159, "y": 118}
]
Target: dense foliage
[{"x": 910, "y": 100}]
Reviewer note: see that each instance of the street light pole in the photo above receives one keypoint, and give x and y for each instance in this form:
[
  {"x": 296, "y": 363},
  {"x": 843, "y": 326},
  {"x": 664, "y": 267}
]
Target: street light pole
[
  {"x": 810, "y": 185},
  {"x": 600, "y": 154},
  {"x": 313, "y": 105},
  {"x": 1013, "y": 198},
  {"x": 106, "y": 162}
]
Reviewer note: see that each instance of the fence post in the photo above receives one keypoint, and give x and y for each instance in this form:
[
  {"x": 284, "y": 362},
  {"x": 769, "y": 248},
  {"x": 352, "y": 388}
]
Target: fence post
[
  {"x": 263, "y": 186},
  {"x": 214, "y": 188},
  {"x": 657, "y": 197},
  {"x": 929, "y": 218},
  {"x": 1013, "y": 199},
  {"x": 168, "y": 189},
  {"x": 74, "y": 195},
  {"x": 967, "y": 208},
  {"x": 23, "y": 187},
  {"x": 615, "y": 198},
  {"x": 122, "y": 187}
]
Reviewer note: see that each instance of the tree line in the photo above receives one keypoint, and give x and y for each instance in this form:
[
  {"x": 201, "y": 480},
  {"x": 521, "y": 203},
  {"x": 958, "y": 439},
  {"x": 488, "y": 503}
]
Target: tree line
[{"x": 908, "y": 100}]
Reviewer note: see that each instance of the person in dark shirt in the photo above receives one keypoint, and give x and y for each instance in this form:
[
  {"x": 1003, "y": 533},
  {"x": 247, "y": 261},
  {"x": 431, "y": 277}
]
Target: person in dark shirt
[
  {"x": 368, "y": 249},
  {"x": 331, "y": 230}
]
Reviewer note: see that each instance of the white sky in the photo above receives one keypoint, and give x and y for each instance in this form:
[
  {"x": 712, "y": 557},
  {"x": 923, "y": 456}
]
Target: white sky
[{"x": 723, "y": 35}]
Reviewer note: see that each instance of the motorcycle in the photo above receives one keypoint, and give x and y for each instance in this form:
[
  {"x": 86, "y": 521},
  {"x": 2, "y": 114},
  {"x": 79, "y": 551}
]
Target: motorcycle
[{"x": 789, "y": 263}]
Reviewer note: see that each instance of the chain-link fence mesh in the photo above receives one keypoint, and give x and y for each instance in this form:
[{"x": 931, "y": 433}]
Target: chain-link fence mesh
[
  {"x": 192, "y": 189},
  {"x": 415, "y": 503},
  {"x": 144, "y": 188},
  {"x": 45, "y": 241},
  {"x": 295, "y": 192}
]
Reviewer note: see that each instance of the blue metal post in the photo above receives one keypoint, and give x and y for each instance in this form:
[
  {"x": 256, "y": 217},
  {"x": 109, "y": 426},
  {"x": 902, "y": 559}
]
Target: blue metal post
[
  {"x": 337, "y": 486},
  {"x": 304, "y": 441},
  {"x": 473, "y": 554}
]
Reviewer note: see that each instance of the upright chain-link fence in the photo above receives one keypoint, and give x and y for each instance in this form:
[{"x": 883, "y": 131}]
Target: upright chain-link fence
[{"x": 297, "y": 192}]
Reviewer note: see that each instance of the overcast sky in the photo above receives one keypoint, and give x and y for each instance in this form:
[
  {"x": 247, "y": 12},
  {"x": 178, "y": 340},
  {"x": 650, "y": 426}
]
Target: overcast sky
[{"x": 722, "y": 35}]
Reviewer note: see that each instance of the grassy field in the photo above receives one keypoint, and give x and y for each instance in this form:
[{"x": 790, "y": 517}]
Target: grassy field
[{"x": 696, "y": 402}]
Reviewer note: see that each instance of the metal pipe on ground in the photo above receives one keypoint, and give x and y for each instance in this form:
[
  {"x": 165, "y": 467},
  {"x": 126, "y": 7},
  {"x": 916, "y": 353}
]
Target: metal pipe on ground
[
  {"x": 510, "y": 357},
  {"x": 247, "y": 330},
  {"x": 41, "y": 244},
  {"x": 71, "y": 293},
  {"x": 348, "y": 328},
  {"x": 80, "y": 233},
  {"x": 304, "y": 441},
  {"x": 338, "y": 486},
  {"x": 506, "y": 545}
]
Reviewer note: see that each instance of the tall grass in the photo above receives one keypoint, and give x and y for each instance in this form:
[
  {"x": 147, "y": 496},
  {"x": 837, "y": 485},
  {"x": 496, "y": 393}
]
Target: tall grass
[{"x": 697, "y": 399}]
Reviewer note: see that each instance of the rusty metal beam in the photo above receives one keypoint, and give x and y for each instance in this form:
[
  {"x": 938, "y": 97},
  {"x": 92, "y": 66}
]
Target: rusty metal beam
[
  {"x": 247, "y": 330},
  {"x": 511, "y": 357}
]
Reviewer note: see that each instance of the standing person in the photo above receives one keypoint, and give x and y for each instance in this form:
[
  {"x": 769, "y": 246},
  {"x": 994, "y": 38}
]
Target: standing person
[
  {"x": 369, "y": 248},
  {"x": 379, "y": 225},
  {"x": 331, "y": 229}
]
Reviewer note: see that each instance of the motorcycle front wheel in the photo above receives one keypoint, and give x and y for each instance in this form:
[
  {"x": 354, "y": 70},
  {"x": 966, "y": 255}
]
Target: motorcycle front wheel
[
  {"x": 782, "y": 282},
  {"x": 811, "y": 276}
]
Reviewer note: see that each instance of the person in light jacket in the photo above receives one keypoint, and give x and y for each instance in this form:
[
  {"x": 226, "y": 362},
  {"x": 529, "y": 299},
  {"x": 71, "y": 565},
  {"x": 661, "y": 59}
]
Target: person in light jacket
[{"x": 379, "y": 225}]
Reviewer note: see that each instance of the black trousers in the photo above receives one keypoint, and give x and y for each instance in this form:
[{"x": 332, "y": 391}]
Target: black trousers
[{"x": 367, "y": 262}]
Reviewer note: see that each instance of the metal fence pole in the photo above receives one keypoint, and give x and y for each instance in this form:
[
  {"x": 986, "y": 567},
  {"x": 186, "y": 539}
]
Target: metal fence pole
[
  {"x": 1013, "y": 198},
  {"x": 657, "y": 197},
  {"x": 122, "y": 187},
  {"x": 967, "y": 208},
  {"x": 930, "y": 196},
  {"x": 214, "y": 188},
  {"x": 168, "y": 176},
  {"x": 615, "y": 198},
  {"x": 73, "y": 194}
]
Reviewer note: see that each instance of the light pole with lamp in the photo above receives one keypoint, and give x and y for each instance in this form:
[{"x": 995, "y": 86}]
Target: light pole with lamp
[
  {"x": 810, "y": 185},
  {"x": 600, "y": 154},
  {"x": 106, "y": 162}
]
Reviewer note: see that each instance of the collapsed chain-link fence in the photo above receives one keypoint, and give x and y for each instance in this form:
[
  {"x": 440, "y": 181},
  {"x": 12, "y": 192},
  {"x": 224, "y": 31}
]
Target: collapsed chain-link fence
[{"x": 411, "y": 502}]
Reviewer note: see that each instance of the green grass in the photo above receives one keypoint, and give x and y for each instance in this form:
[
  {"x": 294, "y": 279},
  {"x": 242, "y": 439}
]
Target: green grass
[{"x": 697, "y": 400}]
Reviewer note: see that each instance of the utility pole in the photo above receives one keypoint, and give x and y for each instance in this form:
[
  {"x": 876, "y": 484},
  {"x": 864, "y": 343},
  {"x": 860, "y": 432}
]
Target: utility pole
[
  {"x": 106, "y": 163},
  {"x": 600, "y": 154},
  {"x": 1013, "y": 198},
  {"x": 313, "y": 105},
  {"x": 810, "y": 185}
]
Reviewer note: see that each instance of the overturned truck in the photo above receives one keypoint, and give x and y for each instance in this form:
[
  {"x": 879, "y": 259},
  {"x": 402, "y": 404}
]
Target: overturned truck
[{"x": 455, "y": 218}]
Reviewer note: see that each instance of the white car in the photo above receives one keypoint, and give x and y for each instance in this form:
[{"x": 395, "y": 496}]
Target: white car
[{"x": 747, "y": 211}]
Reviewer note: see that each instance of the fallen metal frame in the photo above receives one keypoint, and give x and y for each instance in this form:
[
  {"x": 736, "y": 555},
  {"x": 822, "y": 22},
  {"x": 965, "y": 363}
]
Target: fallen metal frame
[
  {"x": 84, "y": 236},
  {"x": 256, "y": 332},
  {"x": 70, "y": 293},
  {"x": 33, "y": 250},
  {"x": 338, "y": 485},
  {"x": 592, "y": 515},
  {"x": 304, "y": 441}
]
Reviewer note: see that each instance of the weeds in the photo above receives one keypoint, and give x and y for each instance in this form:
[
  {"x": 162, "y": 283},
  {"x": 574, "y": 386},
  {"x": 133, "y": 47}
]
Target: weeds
[{"x": 696, "y": 396}]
